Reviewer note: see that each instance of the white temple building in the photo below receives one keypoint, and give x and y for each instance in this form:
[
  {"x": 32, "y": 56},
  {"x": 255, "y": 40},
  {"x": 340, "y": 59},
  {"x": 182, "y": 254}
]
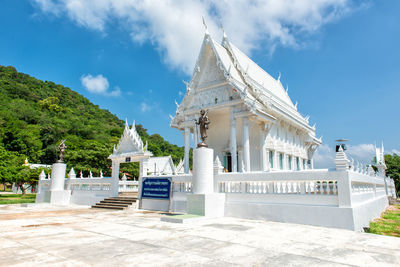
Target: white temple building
[
  {"x": 159, "y": 166},
  {"x": 252, "y": 116}
]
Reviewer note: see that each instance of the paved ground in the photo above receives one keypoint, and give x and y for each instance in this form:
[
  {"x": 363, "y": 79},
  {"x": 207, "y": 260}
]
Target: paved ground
[{"x": 45, "y": 235}]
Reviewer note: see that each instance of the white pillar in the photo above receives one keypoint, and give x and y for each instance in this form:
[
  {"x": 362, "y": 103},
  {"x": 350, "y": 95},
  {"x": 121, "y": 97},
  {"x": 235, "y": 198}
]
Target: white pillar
[
  {"x": 187, "y": 149},
  {"x": 263, "y": 151},
  {"x": 58, "y": 195},
  {"x": 142, "y": 169},
  {"x": 233, "y": 146},
  {"x": 203, "y": 175},
  {"x": 115, "y": 178},
  {"x": 246, "y": 144},
  {"x": 58, "y": 172},
  {"x": 195, "y": 137},
  {"x": 277, "y": 160}
]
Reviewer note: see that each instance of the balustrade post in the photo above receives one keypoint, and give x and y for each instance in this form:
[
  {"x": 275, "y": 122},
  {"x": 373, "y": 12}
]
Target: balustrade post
[
  {"x": 344, "y": 188},
  {"x": 303, "y": 188}
]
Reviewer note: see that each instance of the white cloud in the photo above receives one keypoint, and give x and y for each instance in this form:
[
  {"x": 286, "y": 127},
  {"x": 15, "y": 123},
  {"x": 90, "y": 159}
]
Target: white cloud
[
  {"x": 395, "y": 151},
  {"x": 175, "y": 28},
  {"x": 115, "y": 92},
  {"x": 95, "y": 84},
  {"x": 144, "y": 107},
  {"x": 324, "y": 156},
  {"x": 363, "y": 153},
  {"x": 98, "y": 85}
]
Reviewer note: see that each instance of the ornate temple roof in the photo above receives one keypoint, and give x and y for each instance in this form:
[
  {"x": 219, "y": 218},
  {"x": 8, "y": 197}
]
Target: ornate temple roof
[
  {"x": 262, "y": 94},
  {"x": 257, "y": 75},
  {"x": 130, "y": 145}
]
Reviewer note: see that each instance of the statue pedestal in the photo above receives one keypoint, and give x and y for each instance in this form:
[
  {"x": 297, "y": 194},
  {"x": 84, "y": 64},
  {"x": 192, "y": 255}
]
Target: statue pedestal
[
  {"x": 58, "y": 195},
  {"x": 204, "y": 201}
]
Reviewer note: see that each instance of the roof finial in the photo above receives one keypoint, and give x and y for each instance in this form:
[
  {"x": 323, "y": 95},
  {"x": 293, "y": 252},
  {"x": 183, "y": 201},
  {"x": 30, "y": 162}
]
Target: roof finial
[
  {"x": 223, "y": 30},
  {"x": 205, "y": 25},
  {"x": 126, "y": 123},
  {"x": 133, "y": 125},
  {"x": 279, "y": 77}
]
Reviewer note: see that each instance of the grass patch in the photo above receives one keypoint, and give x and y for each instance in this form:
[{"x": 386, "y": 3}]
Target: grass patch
[
  {"x": 388, "y": 224},
  {"x": 17, "y": 198}
]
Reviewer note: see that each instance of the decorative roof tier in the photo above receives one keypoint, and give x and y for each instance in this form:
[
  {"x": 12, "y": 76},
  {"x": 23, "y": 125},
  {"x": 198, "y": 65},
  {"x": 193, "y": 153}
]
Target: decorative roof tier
[{"x": 130, "y": 145}]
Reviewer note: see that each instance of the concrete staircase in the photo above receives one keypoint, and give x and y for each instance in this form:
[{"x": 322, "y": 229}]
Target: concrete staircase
[{"x": 116, "y": 203}]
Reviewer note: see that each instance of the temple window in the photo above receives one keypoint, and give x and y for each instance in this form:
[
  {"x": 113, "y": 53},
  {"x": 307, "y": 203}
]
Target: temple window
[
  {"x": 271, "y": 159},
  {"x": 281, "y": 161}
]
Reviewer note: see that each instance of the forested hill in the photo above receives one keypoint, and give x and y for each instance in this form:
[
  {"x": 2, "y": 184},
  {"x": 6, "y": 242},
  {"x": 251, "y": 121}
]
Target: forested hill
[{"x": 35, "y": 115}]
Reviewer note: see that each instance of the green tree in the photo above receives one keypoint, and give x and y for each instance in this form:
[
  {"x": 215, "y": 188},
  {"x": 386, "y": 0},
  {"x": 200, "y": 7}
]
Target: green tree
[
  {"x": 9, "y": 165},
  {"x": 393, "y": 169},
  {"x": 35, "y": 115}
]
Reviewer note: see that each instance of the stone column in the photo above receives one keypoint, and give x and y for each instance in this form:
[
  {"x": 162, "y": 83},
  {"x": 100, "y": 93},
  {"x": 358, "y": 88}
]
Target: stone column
[
  {"x": 263, "y": 151},
  {"x": 187, "y": 148},
  {"x": 204, "y": 201},
  {"x": 195, "y": 137},
  {"x": 58, "y": 195},
  {"x": 233, "y": 146},
  {"x": 58, "y": 176},
  {"x": 246, "y": 144},
  {"x": 203, "y": 176},
  {"x": 115, "y": 178}
]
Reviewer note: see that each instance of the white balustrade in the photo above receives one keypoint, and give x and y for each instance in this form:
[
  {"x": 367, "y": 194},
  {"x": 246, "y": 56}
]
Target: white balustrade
[
  {"x": 276, "y": 183},
  {"x": 128, "y": 186},
  {"x": 182, "y": 183},
  {"x": 92, "y": 184}
]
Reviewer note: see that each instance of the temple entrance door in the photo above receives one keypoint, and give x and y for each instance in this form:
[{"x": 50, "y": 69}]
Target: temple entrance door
[{"x": 229, "y": 159}]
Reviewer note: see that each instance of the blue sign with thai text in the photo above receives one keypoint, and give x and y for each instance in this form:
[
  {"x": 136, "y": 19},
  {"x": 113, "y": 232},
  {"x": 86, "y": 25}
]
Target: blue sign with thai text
[{"x": 156, "y": 188}]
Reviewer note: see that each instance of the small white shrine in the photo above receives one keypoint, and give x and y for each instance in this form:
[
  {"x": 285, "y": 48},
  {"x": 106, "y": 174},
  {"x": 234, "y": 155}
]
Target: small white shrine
[
  {"x": 159, "y": 166},
  {"x": 129, "y": 149},
  {"x": 254, "y": 124}
]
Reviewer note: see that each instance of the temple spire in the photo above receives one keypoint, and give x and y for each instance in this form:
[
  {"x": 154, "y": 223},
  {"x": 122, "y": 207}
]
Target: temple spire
[
  {"x": 224, "y": 36},
  {"x": 205, "y": 26}
]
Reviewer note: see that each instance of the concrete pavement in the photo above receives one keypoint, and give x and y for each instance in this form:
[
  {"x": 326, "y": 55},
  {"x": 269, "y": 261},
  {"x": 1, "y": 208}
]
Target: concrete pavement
[{"x": 46, "y": 235}]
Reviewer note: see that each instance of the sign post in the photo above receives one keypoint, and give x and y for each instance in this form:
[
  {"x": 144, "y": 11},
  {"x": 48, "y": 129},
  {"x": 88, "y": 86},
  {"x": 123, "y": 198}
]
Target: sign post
[{"x": 156, "y": 190}]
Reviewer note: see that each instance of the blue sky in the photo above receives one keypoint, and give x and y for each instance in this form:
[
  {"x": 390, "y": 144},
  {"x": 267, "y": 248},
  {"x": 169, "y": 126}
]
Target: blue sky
[{"x": 340, "y": 59}]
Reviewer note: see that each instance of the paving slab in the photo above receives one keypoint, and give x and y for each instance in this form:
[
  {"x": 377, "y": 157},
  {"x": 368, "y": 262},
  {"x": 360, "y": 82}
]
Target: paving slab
[{"x": 47, "y": 235}]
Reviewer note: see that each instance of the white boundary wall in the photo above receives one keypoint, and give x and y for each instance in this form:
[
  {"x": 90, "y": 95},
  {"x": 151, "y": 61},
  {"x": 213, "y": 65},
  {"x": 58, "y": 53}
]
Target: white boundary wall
[
  {"x": 330, "y": 198},
  {"x": 85, "y": 191},
  {"x": 340, "y": 199}
]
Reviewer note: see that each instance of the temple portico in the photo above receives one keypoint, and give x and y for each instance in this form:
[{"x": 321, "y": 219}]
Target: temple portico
[
  {"x": 254, "y": 124},
  {"x": 259, "y": 144}
]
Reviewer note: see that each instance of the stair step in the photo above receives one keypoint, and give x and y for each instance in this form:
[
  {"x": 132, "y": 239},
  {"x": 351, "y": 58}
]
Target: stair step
[
  {"x": 107, "y": 207},
  {"x": 113, "y": 204},
  {"x": 117, "y": 201},
  {"x": 123, "y": 198}
]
